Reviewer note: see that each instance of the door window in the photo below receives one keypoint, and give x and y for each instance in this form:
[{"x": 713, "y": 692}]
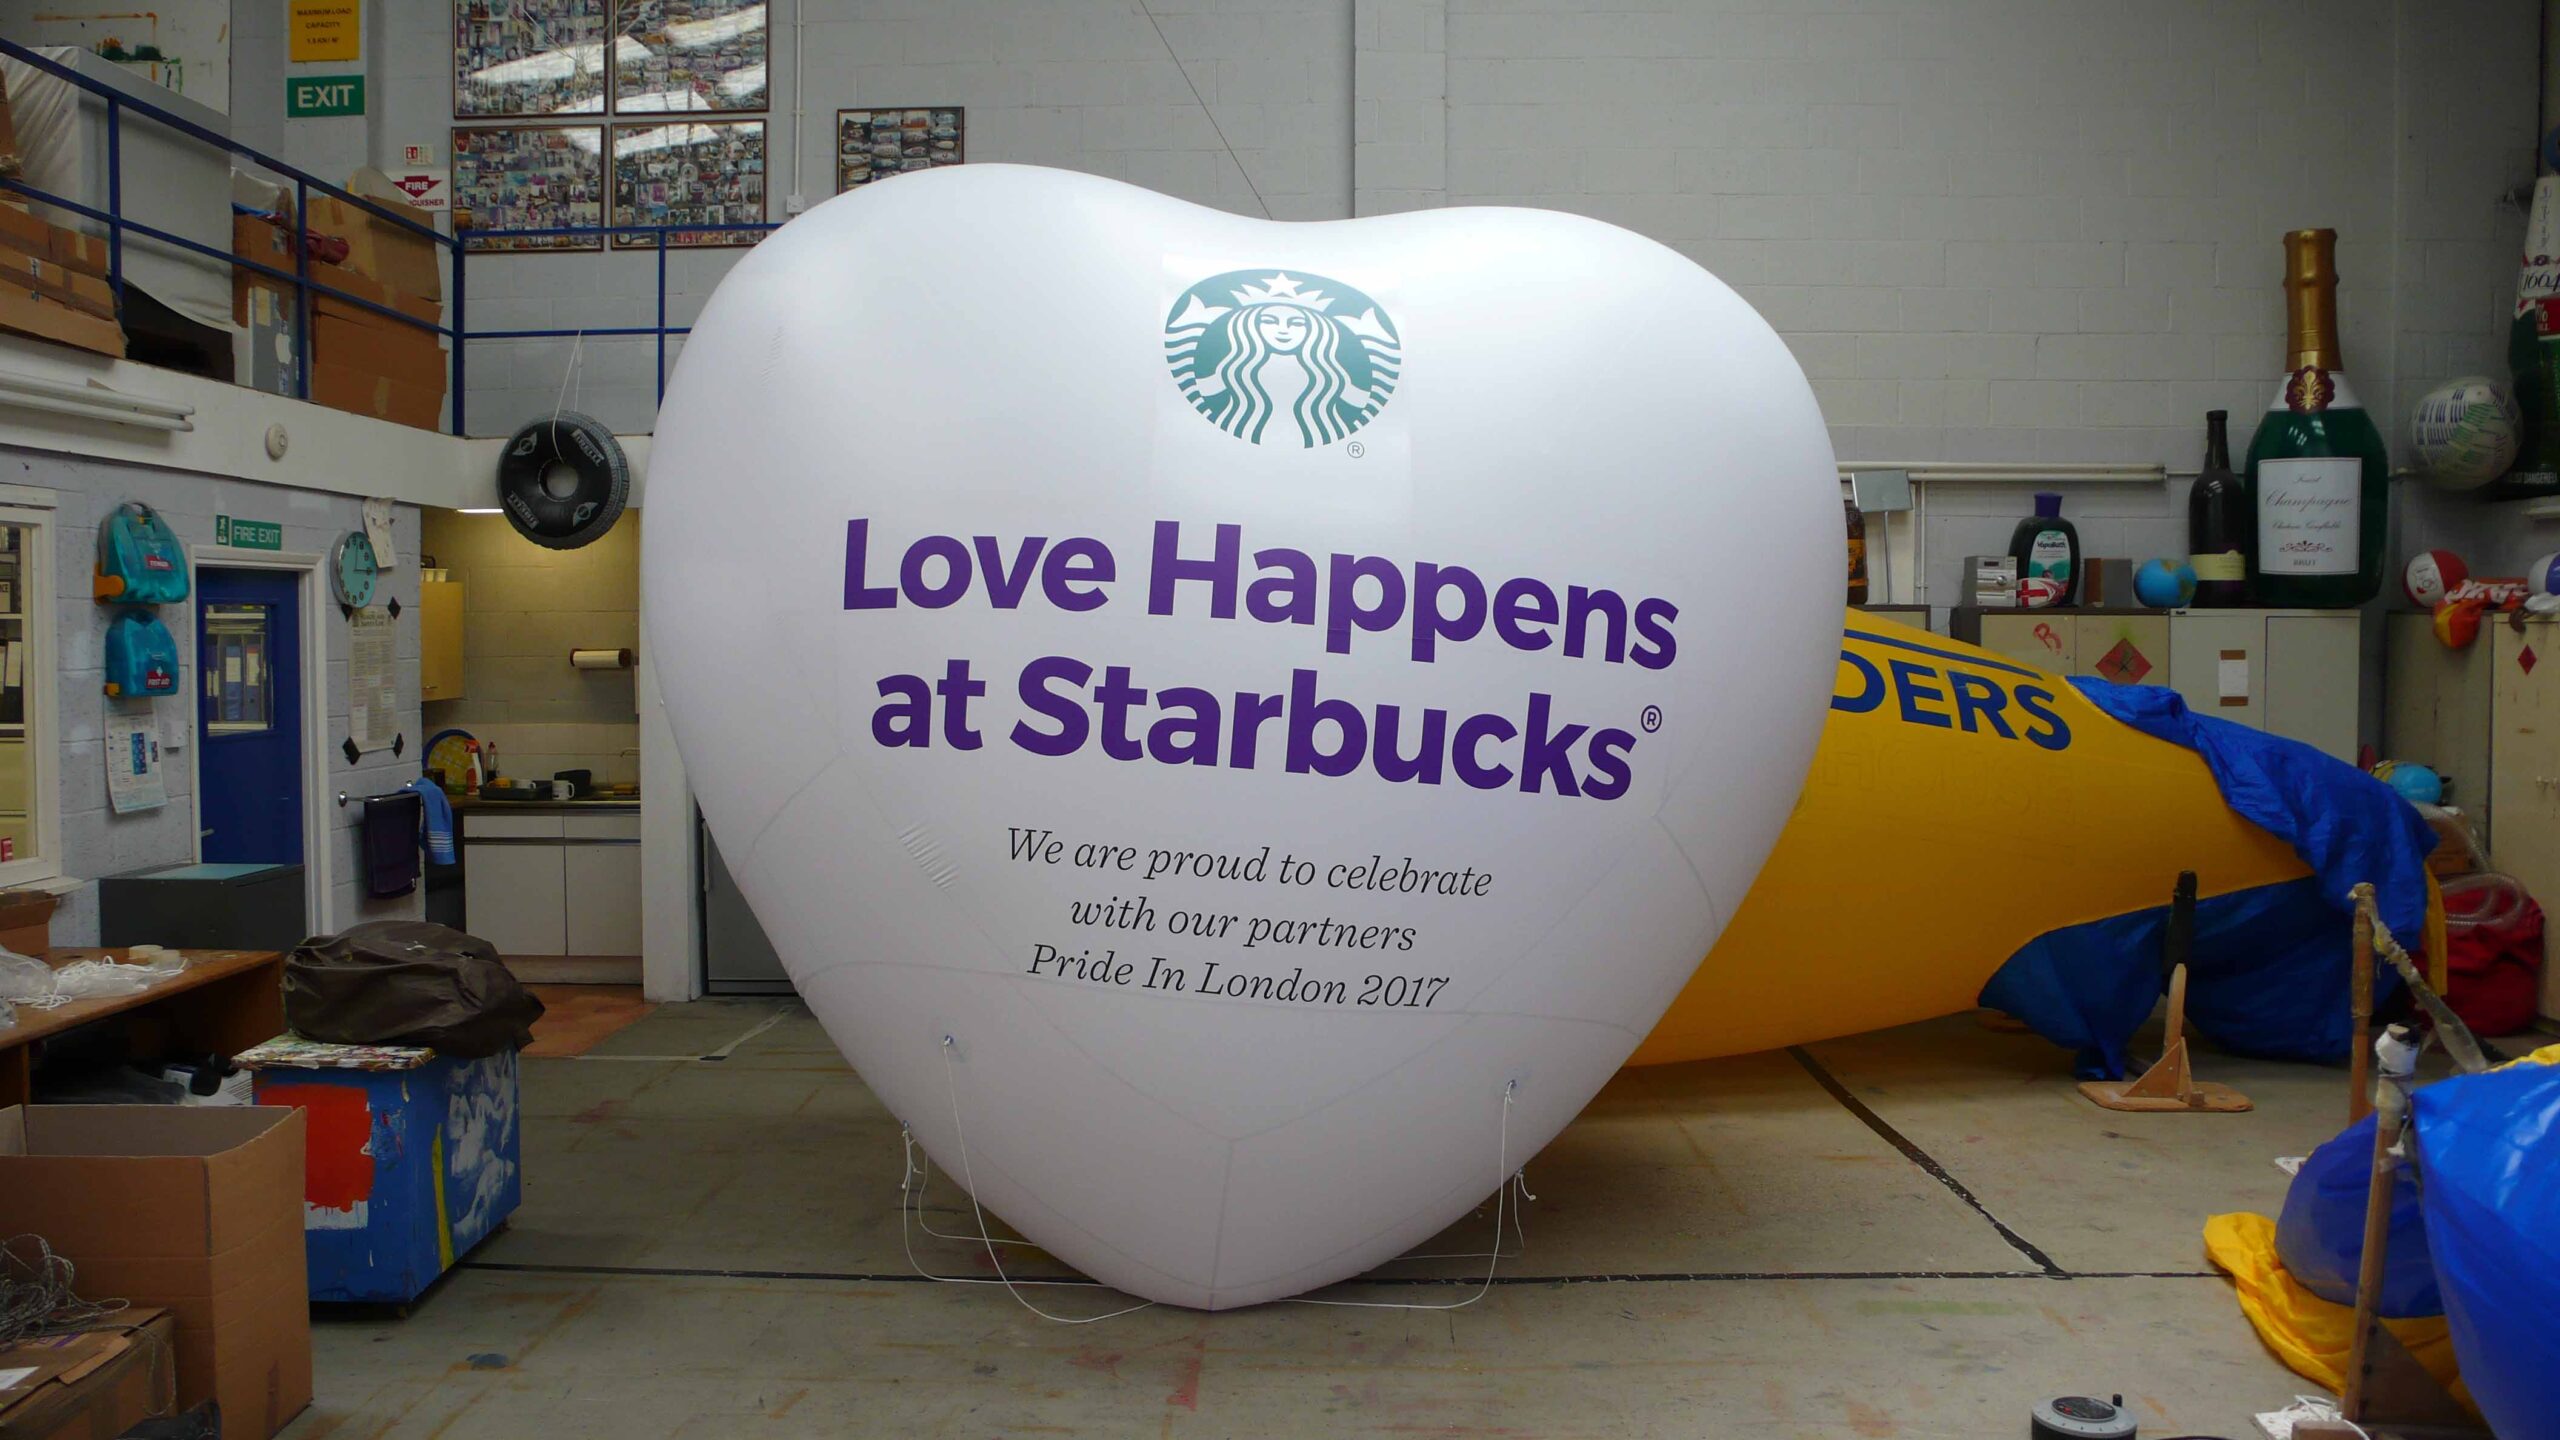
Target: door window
[{"x": 239, "y": 683}]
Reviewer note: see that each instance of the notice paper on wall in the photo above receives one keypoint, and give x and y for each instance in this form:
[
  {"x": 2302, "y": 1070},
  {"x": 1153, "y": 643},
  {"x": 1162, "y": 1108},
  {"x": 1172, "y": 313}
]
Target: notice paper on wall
[
  {"x": 373, "y": 679},
  {"x": 377, "y": 532},
  {"x": 134, "y": 779}
]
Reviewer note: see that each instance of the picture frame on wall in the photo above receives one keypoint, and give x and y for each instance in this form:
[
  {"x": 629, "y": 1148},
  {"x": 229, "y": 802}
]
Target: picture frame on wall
[
  {"x": 690, "y": 56},
  {"x": 876, "y": 143},
  {"x": 685, "y": 173},
  {"x": 528, "y": 177},
  {"x": 529, "y": 59}
]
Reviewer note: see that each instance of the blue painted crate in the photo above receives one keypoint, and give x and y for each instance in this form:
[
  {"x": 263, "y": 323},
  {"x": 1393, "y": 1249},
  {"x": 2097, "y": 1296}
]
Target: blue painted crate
[{"x": 413, "y": 1159}]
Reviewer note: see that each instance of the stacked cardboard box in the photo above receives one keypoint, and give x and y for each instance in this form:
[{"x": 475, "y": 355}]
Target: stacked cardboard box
[
  {"x": 103, "y": 1379},
  {"x": 53, "y": 284},
  {"x": 196, "y": 1209},
  {"x": 361, "y": 360}
]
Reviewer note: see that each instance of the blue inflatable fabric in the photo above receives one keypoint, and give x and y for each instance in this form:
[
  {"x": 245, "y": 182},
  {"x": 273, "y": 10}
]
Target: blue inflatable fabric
[
  {"x": 2268, "y": 973},
  {"x": 2320, "y": 1235},
  {"x": 2489, "y": 1155}
]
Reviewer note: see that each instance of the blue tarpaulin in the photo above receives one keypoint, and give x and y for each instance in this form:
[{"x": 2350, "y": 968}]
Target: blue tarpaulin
[
  {"x": 2268, "y": 972},
  {"x": 2489, "y": 1155},
  {"x": 2320, "y": 1234}
]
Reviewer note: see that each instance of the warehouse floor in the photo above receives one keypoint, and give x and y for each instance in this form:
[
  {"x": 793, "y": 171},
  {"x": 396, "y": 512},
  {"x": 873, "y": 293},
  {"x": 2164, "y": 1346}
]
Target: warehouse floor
[{"x": 1715, "y": 1249}]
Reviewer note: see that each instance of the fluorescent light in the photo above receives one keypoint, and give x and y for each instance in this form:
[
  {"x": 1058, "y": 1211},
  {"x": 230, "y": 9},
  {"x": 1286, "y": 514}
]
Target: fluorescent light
[
  {"x": 92, "y": 402},
  {"x": 479, "y": 510}
]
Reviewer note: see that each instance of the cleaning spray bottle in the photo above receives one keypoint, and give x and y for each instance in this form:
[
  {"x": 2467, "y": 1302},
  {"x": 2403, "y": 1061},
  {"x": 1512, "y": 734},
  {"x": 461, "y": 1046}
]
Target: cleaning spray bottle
[{"x": 2048, "y": 548}]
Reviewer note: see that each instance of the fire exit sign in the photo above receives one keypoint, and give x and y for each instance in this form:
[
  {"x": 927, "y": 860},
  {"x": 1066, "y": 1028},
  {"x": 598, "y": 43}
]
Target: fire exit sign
[
  {"x": 247, "y": 534},
  {"x": 309, "y": 96}
]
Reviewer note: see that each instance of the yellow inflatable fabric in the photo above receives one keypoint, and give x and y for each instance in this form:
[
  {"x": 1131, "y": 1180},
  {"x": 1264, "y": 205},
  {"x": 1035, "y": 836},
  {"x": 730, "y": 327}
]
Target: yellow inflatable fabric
[
  {"x": 2309, "y": 1334},
  {"x": 1960, "y": 805}
]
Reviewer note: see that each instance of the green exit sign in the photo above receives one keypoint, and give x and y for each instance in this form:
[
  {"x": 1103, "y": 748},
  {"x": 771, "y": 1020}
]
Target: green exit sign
[
  {"x": 247, "y": 534},
  {"x": 307, "y": 96}
]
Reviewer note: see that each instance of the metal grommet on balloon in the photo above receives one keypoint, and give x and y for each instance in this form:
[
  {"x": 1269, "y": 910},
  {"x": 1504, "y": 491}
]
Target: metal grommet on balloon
[{"x": 563, "y": 481}]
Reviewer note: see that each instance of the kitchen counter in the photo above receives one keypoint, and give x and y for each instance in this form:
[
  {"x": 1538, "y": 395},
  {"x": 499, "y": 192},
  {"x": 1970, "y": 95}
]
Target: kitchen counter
[{"x": 473, "y": 804}]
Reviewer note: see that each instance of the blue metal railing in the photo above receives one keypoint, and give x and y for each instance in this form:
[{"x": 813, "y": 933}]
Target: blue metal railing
[
  {"x": 472, "y": 242},
  {"x": 458, "y": 246},
  {"x": 304, "y": 185}
]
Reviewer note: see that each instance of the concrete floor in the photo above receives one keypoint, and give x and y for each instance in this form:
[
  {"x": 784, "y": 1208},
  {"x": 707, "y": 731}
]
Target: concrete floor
[{"x": 1727, "y": 1248}]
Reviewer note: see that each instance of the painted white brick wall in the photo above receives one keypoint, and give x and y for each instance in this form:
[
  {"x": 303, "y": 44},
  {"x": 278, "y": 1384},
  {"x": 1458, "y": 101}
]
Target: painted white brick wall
[
  {"x": 1992, "y": 230},
  {"x": 95, "y": 841},
  {"x": 1092, "y": 85}
]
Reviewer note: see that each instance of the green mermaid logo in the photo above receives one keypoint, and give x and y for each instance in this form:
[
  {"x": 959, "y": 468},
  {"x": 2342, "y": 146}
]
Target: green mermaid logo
[{"x": 1253, "y": 347}]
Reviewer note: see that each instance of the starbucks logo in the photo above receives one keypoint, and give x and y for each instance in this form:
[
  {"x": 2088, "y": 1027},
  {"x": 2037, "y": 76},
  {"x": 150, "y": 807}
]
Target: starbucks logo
[{"x": 1270, "y": 355}]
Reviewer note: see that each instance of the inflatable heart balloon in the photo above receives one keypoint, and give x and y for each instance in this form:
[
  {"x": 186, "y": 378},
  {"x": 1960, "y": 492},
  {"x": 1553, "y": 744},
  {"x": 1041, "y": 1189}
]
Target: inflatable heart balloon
[{"x": 1236, "y": 728}]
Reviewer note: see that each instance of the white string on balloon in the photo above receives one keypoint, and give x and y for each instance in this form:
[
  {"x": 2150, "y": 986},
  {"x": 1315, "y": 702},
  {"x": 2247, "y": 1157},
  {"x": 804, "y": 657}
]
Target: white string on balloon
[{"x": 913, "y": 1176}]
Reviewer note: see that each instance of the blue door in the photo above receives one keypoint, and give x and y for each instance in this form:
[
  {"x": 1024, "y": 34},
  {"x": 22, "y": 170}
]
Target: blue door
[{"x": 249, "y": 704}]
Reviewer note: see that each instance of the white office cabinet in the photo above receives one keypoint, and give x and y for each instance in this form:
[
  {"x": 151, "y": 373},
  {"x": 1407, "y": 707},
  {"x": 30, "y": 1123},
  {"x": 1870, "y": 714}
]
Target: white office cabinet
[
  {"x": 2435, "y": 710},
  {"x": 514, "y": 894},
  {"x": 549, "y": 883},
  {"x": 602, "y": 908},
  {"x": 2296, "y": 673},
  {"x": 2524, "y": 770}
]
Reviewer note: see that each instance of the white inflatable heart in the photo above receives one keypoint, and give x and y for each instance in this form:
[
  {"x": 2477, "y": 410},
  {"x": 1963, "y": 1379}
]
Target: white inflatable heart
[{"x": 1241, "y": 726}]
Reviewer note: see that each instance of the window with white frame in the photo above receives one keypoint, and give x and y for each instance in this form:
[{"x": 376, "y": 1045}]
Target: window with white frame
[{"x": 30, "y": 793}]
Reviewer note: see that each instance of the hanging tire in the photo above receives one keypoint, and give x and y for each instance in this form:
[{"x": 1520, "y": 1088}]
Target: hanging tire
[{"x": 563, "y": 480}]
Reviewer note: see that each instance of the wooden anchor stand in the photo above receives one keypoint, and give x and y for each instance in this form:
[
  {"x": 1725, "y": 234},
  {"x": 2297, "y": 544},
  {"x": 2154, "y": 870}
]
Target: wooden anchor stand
[
  {"x": 2389, "y": 1395},
  {"x": 2171, "y": 1084}
]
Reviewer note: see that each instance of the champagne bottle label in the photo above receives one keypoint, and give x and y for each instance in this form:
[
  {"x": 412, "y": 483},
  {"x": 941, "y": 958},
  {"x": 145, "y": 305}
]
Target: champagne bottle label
[
  {"x": 2310, "y": 515},
  {"x": 2229, "y": 565}
]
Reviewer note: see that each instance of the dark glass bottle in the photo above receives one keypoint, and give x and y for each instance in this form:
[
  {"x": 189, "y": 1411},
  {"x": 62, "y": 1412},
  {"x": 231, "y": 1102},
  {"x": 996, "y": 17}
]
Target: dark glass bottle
[
  {"x": 2319, "y": 482},
  {"x": 2218, "y": 521}
]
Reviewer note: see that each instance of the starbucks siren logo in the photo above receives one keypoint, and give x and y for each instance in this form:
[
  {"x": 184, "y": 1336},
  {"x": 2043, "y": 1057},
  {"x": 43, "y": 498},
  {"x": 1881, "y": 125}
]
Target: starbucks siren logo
[{"x": 1268, "y": 353}]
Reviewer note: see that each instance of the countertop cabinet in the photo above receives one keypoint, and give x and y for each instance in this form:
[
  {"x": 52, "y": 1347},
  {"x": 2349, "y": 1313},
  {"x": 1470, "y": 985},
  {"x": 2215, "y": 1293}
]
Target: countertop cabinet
[{"x": 553, "y": 883}]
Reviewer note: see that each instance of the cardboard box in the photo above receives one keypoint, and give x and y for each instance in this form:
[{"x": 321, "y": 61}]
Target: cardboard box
[
  {"x": 195, "y": 1209},
  {"x": 361, "y": 392},
  {"x": 98, "y": 1381},
  {"x": 26, "y": 921},
  {"x": 31, "y": 312},
  {"x": 379, "y": 250},
  {"x": 86, "y": 254},
  {"x": 20, "y": 230},
  {"x": 80, "y": 292}
]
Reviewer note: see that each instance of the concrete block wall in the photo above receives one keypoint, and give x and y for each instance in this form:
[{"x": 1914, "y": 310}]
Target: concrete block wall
[
  {"x": 1991, "y": 230},
  {"x": 524, "y": 608},
  {"x": 97, "y": 842}
]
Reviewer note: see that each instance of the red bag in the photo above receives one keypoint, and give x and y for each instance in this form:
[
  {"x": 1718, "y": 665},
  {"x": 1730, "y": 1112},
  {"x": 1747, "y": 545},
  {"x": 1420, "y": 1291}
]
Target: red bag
[{"x": 2493, "y": 954}]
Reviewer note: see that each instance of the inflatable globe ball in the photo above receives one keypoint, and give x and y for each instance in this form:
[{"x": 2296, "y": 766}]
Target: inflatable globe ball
[
  {"x": 2165, "y": 584},
  {"x": 2465, "y": 433},
  {"x": 2430, "y": 575},
  {"x": 2417, "y": 784}
]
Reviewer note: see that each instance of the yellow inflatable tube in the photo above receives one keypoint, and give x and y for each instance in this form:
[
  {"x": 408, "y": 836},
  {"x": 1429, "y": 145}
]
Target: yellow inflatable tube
[{"x": 1960, "y": 805}]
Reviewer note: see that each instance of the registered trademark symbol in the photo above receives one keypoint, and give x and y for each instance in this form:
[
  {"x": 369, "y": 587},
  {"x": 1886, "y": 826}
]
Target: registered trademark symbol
[
  {"x": 1651, "y": 720},
  {"x": 1355, "y": 449}
]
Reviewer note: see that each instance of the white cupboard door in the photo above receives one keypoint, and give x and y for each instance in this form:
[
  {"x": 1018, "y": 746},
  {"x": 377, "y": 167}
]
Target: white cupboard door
[
  {"x": 2524, "y": 768},
  {"x": 604, "y": 899},
  {"x": 512, "y": 896}
]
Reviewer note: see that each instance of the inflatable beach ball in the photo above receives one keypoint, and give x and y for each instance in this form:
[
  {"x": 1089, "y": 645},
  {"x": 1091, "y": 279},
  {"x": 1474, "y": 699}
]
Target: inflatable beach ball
[
  {"x": 2430, "y": 575},
  {"x": 2465, "y": 433}
]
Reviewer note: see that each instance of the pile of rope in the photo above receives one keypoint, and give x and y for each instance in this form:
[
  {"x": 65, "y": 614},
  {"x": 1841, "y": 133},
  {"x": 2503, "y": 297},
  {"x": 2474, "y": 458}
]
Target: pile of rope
[{"x": 36, "y": 1297}]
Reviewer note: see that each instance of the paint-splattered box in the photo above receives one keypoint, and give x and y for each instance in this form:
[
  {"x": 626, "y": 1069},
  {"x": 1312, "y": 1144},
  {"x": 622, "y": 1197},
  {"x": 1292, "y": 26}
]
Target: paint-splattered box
[{"x": 414, "y": 1159}]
